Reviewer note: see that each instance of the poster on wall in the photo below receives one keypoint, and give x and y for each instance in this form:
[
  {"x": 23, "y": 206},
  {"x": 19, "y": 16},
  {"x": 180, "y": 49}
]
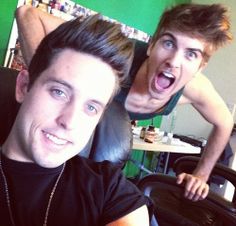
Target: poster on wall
[{"x": 67, "y": 10}]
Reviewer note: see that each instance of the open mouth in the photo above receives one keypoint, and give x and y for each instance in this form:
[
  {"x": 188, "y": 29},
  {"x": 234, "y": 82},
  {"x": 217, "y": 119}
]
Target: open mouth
[{"x": 164, "y": 80}]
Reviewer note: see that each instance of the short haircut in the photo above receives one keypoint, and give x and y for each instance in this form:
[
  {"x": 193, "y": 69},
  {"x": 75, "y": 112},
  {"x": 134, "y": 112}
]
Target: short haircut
[
  {"x": 92, "y": 36},
  {"x": 209, "y": 23}
]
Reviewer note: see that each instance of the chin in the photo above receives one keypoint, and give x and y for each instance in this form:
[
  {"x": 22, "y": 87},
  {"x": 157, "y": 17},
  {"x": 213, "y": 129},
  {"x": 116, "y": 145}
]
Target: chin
[{"x": 49, "y": 162}]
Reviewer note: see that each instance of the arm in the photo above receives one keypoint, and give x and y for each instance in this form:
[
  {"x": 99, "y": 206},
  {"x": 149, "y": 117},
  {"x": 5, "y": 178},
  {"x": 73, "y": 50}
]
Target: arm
[
  {"x": 33, "y": 24},
  {"x": 202, "y": 95},
  {"x": 139, "y": 217}
]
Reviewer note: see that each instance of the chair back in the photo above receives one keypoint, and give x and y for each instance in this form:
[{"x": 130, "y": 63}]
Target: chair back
[{"x": 171, "y": 208}]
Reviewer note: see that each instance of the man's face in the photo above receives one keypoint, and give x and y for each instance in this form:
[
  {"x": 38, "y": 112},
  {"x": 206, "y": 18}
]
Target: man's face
[
  {"x": 173, "y": 61},
  {"x": 61, "y": 109}
]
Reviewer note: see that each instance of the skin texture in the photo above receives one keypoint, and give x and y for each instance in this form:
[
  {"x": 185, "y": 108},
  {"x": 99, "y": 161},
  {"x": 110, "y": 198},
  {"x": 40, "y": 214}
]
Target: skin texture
[
  {"x": 181, "y": 56},
  {"x": 72, "y": 103}
]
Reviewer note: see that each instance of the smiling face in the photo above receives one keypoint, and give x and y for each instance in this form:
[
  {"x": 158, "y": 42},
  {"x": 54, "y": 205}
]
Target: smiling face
[
  {"x": 173, "y": 61},
  {"x": 61, "y": 109}
]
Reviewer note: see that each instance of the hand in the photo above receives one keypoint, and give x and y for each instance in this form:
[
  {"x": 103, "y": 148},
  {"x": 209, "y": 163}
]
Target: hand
[{"x": 195, "y": 187}]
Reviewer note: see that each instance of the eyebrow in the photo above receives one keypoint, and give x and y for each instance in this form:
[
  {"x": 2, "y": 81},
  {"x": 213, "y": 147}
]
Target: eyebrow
[
  {"x": 62, "y": 82},
  {"x": 100, "y": 103},
  {"x": 174, "y": 38}
]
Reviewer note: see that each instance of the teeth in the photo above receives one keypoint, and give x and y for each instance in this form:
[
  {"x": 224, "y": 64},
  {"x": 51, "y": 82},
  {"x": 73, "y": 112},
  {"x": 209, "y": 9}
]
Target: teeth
[
  {"x": 56, "y": 140},
  {"x": 167, "y": 74}
]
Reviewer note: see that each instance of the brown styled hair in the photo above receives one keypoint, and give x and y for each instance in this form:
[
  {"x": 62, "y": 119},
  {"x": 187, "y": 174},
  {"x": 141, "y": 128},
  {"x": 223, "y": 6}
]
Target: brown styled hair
[
  {"x": 93, "y": 36},
  {"x": 209, "y": 23}
]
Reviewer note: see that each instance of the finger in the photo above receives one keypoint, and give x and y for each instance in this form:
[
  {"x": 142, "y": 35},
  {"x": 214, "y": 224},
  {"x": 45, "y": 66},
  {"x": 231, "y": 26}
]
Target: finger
[
  {"x": 193, "y": 187},
  {"x": 180, "y": 178},
  {"x": 201, "y": 192},
  {"x": 204, "y": 192},
  {"x": 188, "y": 185}
]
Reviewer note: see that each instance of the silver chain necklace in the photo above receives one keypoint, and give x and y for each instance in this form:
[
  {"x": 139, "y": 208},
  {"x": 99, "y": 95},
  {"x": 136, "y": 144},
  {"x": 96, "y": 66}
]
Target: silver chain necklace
[{"x": 8, "y": 196}]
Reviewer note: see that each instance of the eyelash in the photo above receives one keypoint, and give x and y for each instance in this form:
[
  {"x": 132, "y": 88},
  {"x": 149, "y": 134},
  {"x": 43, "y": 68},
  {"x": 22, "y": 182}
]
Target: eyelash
[
  {"x": 94, "y": 110},
  {"x": 166, "y": 43},
  {"x": 91, "y": 109},
  {"x": 58, "y": 93},
  {"x": 195, "y": 54}
]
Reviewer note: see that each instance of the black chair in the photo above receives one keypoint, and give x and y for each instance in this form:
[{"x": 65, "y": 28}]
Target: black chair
[
  {"x": 172, "y": 209},
  {"x": 111, "y": 139}
]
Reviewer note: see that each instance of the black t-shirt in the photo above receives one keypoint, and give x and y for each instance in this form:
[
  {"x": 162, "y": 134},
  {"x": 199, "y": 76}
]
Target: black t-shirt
[{"x": 88, "y": 193}]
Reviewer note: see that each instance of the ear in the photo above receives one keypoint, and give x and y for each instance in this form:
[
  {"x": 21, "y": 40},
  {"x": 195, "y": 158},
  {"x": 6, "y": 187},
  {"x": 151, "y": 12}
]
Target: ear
[
  {"x": 202, "y": 66},
  {"x": 151, "y": 45},
  {"x": 22, "y": 85}
]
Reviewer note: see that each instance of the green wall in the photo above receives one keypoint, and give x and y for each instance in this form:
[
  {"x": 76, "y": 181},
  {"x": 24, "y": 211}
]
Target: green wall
[
  {"x": 141, "y": 14},
  {"x": 6, "y": 20}
]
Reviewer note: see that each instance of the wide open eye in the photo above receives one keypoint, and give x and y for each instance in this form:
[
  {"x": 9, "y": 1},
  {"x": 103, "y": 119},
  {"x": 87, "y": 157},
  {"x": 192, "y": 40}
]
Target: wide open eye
[
  {"x": 168, "y": 44},
  {"x": 191, "y": 55}
]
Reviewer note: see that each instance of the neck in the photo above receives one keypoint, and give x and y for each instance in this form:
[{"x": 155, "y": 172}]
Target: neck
[
  {"x": 139, "y": 99},
  {"x": 140, "y": 84}
]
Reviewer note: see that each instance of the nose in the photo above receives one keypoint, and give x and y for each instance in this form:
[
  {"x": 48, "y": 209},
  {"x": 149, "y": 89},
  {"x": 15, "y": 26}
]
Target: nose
[
  {"x": 174, "y": 60},
  {"x": 69, "y": 117}
]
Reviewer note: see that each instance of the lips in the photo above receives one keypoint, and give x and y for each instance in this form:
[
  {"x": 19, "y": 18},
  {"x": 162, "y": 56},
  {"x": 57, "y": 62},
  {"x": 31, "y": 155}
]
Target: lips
[
  {"x": 164, "y": 80},
  {"x": 56, "y": 140}
]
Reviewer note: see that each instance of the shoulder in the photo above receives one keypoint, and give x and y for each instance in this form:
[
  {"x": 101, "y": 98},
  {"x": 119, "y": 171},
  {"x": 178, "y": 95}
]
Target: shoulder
[
  {"x": 118, "y": 196},
  {"x": 201, "y": 93},
  {"x": 85, "y": 165},
  {"x": 197, "y": 90},
  {"x": 105, "y": 174}
]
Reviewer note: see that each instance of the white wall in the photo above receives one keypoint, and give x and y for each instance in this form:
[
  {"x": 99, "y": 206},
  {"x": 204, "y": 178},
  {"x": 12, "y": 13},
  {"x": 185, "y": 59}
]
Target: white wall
[{"x": 221, "y": 70}]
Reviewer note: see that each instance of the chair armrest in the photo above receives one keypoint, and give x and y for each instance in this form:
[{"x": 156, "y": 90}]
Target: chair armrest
[
  {"x": 152, "y": 182},
  {"x": 189, "y": 163}
]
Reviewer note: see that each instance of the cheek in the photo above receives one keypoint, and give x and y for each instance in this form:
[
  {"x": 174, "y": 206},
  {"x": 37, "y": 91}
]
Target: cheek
[
  {"x": 158, "y": 59},
  {"x": 191, "y": 70},
  {"x": 86, "y": 126},
  {"x": 83, "y": 135}
]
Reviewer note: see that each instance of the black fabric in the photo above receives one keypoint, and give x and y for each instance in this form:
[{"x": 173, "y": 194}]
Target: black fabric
[
  {"x": 8, "y": 105},
  {"x": 113, "y": 134},
  {"x": 88, "y": 193},
  {"x": 140, "y": 55}
]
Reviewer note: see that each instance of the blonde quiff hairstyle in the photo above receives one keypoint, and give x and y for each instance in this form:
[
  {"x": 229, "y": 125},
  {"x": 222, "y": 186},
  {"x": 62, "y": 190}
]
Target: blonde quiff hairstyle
[{"x": 209, "y": 23}]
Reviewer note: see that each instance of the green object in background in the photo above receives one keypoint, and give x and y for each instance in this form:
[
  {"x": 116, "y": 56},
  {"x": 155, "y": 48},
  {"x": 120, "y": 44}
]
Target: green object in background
[
  {"x": 142, "y": 14},
  {"x": 6, "y": 20},
  {"x": 156, "y": 121},
  {"x": 131, "y": 170}
]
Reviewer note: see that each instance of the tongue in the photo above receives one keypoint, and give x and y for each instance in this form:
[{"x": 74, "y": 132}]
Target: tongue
[{"x": 163, "y": 81}]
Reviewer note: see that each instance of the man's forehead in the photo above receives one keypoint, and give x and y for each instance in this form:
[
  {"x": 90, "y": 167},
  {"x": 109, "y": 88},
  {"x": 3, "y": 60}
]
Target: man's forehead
[{"x": 83, "y": 78}]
